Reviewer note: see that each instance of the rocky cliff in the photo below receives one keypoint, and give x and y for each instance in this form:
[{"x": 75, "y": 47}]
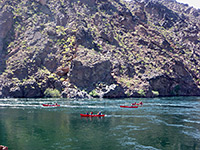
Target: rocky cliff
[{"x": 99, "y": 48}]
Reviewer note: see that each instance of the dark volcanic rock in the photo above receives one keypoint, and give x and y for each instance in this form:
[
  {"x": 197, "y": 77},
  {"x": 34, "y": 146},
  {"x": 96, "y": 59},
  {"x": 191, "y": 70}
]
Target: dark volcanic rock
[
  {"x": 31, "y": 89},
  {"x": 179, "y": 82},
  {"x": 99, "y": 48},
  {"x": 113, "y": 91},
  {"x": 161, "y": 12},
  {"x": 74, "y": 93},
  {"x": 16, "y": 92},
  {"x": 21, "y": 72},
  {"x": 95, "y": 78},
  {"x": 84, "y": 76},
  {"x": 6, "y": 22}
]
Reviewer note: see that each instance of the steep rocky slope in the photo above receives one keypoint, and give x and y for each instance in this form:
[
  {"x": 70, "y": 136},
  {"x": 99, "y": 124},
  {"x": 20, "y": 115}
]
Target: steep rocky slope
[{"x": 99, "y": 48}]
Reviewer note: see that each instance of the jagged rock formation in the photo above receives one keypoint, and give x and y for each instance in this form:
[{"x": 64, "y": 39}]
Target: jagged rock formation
[{"x": 99, "y": 48}]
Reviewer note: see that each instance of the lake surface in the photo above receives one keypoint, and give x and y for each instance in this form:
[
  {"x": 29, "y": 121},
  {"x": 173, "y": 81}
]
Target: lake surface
[{"x": 161, "y": 124}]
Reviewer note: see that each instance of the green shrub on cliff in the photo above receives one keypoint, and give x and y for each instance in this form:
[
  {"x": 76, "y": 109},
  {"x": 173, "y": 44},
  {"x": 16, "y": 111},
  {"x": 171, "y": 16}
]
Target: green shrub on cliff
[
  {"x": 141, "y": 92},
  {"x": 49, "y": 92},
  {"x": 93, "y": 93},
  {"x": 155, "y": 93}
]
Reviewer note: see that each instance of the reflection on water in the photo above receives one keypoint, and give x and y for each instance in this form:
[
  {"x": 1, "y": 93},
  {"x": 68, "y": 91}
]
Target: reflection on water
[{"x": 161, "y": 124}]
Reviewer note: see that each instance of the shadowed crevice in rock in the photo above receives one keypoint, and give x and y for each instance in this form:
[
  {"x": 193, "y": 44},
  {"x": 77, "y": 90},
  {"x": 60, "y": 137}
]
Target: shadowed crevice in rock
[
  {"x": 6, "y": 24},
  {"x": 96, "y": 78},
  {"x": 88, "y": 76},
  {"x": 178, "y": 82}
]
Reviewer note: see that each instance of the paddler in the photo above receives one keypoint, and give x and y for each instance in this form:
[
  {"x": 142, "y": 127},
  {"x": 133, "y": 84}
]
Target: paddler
[
  {"x": 141, "y": 103},
  {"x": 134, "y": 103},
  {"x": 99, "y": 113}
]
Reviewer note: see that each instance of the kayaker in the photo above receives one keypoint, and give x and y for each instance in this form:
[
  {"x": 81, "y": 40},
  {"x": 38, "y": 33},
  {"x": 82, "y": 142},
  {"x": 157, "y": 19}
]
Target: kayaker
[
  {"x": 141, "y": 103},
  {"x": 99, "y": 113},
  {"x": 91, "y": 113},
  {"x": 87, "y": 113},
  {"x": 134, "y": 103}
]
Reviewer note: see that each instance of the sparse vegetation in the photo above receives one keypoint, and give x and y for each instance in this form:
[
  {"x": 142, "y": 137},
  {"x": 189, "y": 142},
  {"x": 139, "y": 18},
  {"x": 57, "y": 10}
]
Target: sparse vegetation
[
  {"x": 146, "y": 48},
  {"x": 49, "y": 92}
]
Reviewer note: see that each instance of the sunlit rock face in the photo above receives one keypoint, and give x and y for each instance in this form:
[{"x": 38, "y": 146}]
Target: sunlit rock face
[{"x": 99, "y": 48}]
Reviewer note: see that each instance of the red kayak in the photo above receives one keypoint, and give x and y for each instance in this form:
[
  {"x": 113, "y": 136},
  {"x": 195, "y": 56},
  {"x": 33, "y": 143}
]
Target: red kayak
[
  {"x": 129, "y": 106},
  {"x": 85, "y": 115},
  {"x": 48, "y": 105}
]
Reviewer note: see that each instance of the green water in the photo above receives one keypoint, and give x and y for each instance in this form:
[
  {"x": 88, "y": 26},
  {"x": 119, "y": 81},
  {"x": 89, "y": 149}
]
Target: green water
[{"x": 162, "y": 123}]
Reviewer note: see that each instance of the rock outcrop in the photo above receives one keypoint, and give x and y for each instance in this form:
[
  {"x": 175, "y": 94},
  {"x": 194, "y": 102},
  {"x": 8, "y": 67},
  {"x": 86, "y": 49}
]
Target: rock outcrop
[
  {"x": 88, "y": 76},
  {"x": 177, "y": 82},
  {"x": 99, "y": 48},
  {"x": 6, "y": 22}
]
